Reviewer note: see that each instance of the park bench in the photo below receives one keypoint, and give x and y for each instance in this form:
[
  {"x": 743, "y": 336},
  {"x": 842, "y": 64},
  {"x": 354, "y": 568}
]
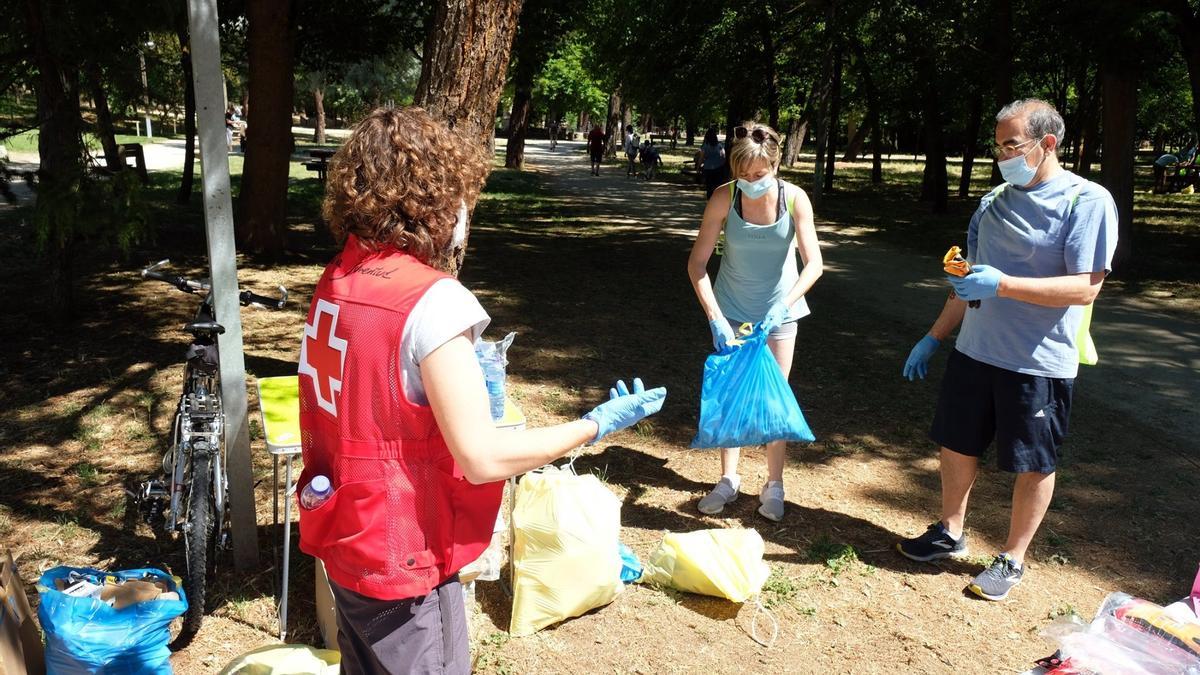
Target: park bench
[
  {"x": 319, "y": 162},
  {"x": 1181, "y": 176},
  {"x": 125, "y": 152}
]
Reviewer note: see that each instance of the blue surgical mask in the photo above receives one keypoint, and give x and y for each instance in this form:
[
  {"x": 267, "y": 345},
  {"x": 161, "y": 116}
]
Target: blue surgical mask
[
  {"x": 758, "y": 188},
  {"x": 1016, "y": 171}
]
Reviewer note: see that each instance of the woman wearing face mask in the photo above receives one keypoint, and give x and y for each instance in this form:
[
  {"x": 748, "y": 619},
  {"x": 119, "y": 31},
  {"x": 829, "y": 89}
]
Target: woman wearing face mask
[
  {"x": 393, "y": 407},
  {"x": 766, "y": 221}
]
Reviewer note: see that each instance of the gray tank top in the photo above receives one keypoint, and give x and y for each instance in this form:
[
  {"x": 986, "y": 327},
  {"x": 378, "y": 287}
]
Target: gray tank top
[{"x": 759, "y": 265}]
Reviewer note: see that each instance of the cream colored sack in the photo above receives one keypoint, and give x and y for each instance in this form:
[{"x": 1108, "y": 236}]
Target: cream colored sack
[
  {"x": 566, "y": 561},
  {"x": 723, "y": 563}
]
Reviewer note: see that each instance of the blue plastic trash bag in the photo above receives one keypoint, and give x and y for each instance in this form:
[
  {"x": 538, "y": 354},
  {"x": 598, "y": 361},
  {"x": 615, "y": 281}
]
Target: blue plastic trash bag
[
  {"x": 88, "y": 635},
  {"x": 631, "y": 567},
  {"x": 744, "y": 399}
]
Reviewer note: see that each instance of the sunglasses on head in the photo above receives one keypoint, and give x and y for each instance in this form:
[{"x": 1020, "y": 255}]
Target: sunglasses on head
[{"x": 757, "y": 134}]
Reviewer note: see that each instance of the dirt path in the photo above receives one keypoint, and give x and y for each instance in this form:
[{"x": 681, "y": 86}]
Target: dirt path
[
  {"x": 1150, "y": 352},
  {"x": 595, "y": 281}
]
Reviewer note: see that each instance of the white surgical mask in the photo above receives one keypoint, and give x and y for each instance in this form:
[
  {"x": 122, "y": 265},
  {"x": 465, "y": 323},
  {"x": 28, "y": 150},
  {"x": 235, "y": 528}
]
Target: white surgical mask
[
  {"x": 1016, "y": 171},
  {"x": 758, "y": 188},
  {"x": 460, "y": 227}
]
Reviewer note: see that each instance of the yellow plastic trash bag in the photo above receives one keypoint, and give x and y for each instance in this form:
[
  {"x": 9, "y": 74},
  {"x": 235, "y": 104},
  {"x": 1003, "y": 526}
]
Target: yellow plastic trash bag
[
  {"x": 1087, "y": 348},
  {"x": 286, "y": 660},
  {"x": 723, "y": 563},
  {"x": 565, "y": 557}
]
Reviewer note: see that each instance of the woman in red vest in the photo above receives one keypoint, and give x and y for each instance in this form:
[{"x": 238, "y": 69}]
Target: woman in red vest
[{"x": 393, "y": 407}]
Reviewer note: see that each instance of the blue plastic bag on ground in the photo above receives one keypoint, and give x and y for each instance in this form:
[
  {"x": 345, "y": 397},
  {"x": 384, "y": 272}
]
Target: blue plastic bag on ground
[
  {"x": 631, "y": 567},
  {"x": 88, "y": 635},
  {"x": 745, "y": 400}
]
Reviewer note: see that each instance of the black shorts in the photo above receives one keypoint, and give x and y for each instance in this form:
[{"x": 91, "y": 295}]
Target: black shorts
[
  {"x": 597, "y": 155},
  {"x": 1027, "y": 415}
]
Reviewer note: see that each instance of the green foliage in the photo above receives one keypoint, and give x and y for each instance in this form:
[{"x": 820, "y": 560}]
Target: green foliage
[
  {"x": 779, "y": 588},
  {"x": 93, "y": 211},
  {"x": 838, "y": 557},
  {"x": 568, "y": 83}
]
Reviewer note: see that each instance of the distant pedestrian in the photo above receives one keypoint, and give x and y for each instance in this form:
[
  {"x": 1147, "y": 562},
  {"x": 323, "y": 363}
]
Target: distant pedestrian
[
  {"x": 651, "y": 159},
  {"x": 711, "y": 159},
  {"x": 631, "y": 151},
  {"x": 596, "y": 147}
]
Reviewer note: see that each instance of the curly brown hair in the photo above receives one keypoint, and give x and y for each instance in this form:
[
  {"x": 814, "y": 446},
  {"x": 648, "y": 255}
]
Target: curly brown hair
[{"x": 400, "y": 180}]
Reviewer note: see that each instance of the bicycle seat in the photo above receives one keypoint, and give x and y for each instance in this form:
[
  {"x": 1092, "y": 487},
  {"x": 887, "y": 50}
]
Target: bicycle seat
[{"x": 204, "y": 328}]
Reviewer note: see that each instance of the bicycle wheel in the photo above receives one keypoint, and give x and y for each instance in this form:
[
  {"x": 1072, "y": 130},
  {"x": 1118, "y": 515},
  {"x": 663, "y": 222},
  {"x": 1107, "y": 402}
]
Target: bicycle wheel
[{"x": 199, "y": 543}]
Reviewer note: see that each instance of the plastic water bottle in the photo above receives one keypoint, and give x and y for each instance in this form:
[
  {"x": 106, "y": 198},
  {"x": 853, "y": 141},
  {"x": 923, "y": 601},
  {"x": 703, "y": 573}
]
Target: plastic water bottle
[
  {"x": 493, "y": 375},
  {"x": 316, "y": 492}
]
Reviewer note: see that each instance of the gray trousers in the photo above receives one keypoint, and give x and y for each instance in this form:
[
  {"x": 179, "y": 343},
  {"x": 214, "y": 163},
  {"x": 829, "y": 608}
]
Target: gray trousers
[{"x": 395, "y": 637}]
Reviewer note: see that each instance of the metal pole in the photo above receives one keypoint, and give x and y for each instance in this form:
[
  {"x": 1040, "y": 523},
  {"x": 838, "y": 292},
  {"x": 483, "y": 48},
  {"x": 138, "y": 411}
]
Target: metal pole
[
  {"x": 218, "y": 221},
  {"x": 145, "y": 92}
]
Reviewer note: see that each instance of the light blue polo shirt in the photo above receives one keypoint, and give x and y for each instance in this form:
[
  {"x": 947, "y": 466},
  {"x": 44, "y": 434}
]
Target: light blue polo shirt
[{"x": 1036, "y": 233}]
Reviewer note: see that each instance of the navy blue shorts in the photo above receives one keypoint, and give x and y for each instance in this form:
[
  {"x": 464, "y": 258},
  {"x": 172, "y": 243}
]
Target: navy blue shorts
[{"x": 1026, "y": 414}]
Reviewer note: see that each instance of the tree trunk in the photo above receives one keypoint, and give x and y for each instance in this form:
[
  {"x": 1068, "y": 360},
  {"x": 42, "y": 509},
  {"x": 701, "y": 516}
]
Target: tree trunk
[
  {"x": 692, "y": 129},
  {"x": 1090, "y": 132},
  {"x": 318, "y": 94},
  {"x": 612, "y": 132},
  {"x": 934, "y": 182},
  {"x": 835, "y": 115},
  {"x": 1189, "y": 39},
  {"x": 464, "y": 65},
  {"x": 772, "y": 75},
  {"x": 262, "y": 227},
  {"x": 1120, "y": 121},
  {"x": 104, "y": 123},
  {"x": 189, "y": 109},
  {"x": 518, "y": 121},
  {"x": 1001, "y": 48},
  {"x": 971, "y": 136},
  {"x": 857, "y": 140},
  {"x": 60, "y": 155},
  {"x": 794, "y": 142}
]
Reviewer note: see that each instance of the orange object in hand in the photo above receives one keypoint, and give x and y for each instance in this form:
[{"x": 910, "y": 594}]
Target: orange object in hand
[{"x": 954, "y": 263}]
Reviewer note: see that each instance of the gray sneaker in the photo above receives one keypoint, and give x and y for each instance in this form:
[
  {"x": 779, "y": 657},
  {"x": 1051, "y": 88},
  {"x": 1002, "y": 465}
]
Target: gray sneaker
[
  {"x": 998, "y": 579},
  {"x": 725, "y": 492},
  {"x": 771, "y": 500}
]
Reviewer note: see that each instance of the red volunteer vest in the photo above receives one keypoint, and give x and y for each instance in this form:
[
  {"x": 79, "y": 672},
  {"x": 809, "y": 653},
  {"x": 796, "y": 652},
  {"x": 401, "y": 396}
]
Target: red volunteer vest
[{"x": 402, "y": 519}]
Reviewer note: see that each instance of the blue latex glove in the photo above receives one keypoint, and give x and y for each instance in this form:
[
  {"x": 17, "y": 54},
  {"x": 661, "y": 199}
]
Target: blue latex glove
[
  {"x": 625, "y": 408},
  {"x": 982, "y": 283},
  {"x": 721, "y": 333},
  {"x": 775, "y": 316},
  {"x": 917, "y": 364}
]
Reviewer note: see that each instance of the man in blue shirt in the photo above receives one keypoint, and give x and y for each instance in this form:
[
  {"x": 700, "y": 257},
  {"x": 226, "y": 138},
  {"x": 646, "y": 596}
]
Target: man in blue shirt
[{"x": 1040, "y": 246}]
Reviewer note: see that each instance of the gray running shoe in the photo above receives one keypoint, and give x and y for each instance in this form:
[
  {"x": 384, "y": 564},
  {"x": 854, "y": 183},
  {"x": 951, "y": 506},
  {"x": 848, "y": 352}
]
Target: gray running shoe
[
  {"x": 771, "y": 499},
  {"x": 935, "y": 544},
  {"x": 725, "y": 492},
  {"x": 998, "y": 579}
]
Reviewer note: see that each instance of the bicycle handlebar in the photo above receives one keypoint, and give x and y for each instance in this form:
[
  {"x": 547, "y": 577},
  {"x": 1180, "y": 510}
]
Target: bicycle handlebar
[{"x": 192, "y": 286}]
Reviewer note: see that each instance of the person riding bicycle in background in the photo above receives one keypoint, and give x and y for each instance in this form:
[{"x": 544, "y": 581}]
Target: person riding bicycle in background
[{"x": 393, "y": 406}]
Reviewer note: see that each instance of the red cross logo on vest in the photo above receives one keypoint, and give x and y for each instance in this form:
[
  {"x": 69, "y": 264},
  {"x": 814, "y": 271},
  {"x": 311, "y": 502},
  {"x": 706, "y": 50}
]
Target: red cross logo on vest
[{"x": 323, "y": 354}]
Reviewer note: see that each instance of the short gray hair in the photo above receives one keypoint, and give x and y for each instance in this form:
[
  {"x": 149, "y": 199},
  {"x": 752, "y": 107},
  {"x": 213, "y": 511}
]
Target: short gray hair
[{"x": 1040, "y": 118}]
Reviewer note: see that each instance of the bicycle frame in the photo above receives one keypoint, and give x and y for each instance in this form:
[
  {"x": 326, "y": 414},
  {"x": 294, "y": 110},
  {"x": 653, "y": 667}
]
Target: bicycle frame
[{"x": 200, "y": 422}]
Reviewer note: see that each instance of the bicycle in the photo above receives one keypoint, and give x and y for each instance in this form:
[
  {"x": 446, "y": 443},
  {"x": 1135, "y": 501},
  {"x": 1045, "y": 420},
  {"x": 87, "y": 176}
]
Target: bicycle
[{"x": 189, "y": 499}]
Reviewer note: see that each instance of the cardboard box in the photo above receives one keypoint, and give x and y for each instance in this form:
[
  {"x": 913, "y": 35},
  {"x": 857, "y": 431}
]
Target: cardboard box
[
  {"x": 20, "y": 640},
  {"x": 326, "y": 612}
]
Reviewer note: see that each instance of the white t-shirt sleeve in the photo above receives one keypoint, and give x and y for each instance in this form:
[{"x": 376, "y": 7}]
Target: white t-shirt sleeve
[{"x": 447, "y": 309}]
